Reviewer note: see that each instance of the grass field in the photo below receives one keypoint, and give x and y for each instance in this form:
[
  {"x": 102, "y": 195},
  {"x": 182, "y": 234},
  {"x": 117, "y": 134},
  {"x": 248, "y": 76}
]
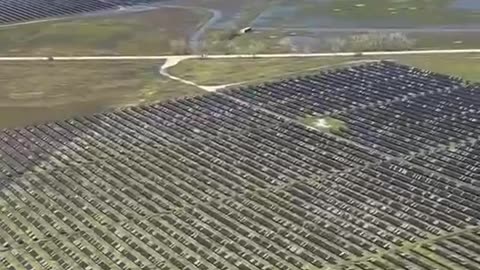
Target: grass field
[
  {"x": 466, "y": 66},
  {"x": 41, "y": 91},
  {"x": 147, "y": 32},
  {"x": 225, "y": 71}
]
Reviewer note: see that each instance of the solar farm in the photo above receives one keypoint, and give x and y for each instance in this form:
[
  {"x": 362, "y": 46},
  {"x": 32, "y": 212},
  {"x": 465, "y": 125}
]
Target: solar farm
[
  {"x": 13, "y": 11},
  {"x": 238, "y": 179}
]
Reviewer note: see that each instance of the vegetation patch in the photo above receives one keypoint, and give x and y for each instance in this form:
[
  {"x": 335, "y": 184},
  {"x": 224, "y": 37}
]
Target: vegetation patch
[
  {"x": 249, "y": 70},
  {"x": 328, "y": 124},
  {"x": 371, "y": 42}
]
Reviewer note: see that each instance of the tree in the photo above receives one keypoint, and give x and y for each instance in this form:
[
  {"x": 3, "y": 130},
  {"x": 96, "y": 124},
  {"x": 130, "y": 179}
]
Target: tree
[{"x": 399, "y": 41}]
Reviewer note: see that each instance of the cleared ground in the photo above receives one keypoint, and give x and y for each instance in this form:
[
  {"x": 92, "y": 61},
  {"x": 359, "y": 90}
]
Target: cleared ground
[
  {"x": 161, "y": 31},
  {"x": 226, "y": 71},
  {"x": 41, "y": 91}
]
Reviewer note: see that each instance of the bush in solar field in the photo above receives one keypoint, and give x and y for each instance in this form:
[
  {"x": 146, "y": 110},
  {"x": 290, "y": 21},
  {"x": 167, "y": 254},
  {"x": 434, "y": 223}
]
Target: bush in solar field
[{"x": 325, "y": 123}]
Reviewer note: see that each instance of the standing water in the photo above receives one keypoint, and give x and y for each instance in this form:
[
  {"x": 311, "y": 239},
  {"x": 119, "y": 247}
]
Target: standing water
[{"x": 466, "y": 4}]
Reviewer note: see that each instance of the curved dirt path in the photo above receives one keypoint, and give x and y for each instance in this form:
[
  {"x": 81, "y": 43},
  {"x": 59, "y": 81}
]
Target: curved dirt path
[
  {"x": 173, "y": 61},
  {"x": 195, "y": 39}
]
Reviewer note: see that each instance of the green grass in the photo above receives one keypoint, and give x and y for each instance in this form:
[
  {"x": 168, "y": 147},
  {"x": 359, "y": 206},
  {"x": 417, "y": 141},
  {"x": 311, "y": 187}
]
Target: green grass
[
  {"x": 466, "y": 66},
  {"x": 42, "y": 91},
  {"x": 148, "y": 32},
  {"x": 226, "y": 71}
]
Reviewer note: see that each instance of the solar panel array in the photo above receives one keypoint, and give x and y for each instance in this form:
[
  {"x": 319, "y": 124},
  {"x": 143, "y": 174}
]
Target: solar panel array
[
  {"x": 13, "y": 11},
  {"x": 232, "y": 180}
]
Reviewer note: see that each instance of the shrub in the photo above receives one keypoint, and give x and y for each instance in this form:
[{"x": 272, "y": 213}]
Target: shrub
[
  {"x": 336, "y": 44},
  {"x": 371, "y": 42},
  {"x": 380, "y": 42},
  {"x": 327, "y": 123}
]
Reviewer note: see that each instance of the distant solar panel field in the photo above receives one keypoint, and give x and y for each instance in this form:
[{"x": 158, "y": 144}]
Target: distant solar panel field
[
  {"x": 237, "y": 180},
  {"x": 13, "y": 11}
]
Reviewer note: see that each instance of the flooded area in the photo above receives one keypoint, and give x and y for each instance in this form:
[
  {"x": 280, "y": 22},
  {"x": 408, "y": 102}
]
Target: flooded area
[
  {"x": 388, "y": 14},
  {"x": 466, "y": 4}
]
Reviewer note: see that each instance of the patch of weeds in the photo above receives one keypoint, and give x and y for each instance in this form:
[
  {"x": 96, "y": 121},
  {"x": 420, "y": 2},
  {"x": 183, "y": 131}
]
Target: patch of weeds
[
  {"x": 452, "y": 147},
  {"x": 309, "y": 120},
  {"x": 328, "y": 124}
]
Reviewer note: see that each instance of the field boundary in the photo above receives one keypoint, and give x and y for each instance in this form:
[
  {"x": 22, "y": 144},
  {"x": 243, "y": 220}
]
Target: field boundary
[{"x": 173, "y": 60}]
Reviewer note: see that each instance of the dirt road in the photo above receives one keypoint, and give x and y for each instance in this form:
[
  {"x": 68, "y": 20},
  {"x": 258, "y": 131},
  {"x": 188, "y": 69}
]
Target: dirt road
[
  {"x": 179, "y": 58},
  {"x": 172, "y": 60},
  {"x": 195, "y": 41}
]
